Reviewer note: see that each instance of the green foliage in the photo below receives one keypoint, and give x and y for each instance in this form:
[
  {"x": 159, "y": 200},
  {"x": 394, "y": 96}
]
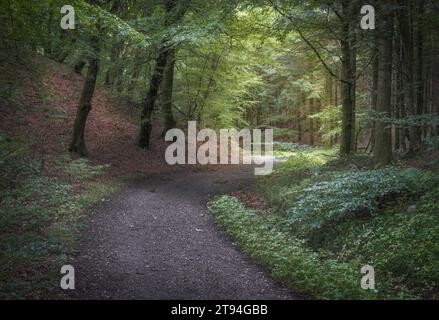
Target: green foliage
[
  {"x": 10, "y": 148},
  {"x": 286, "y": 256},
  {"x": 284, "y": 133},
  {"x": 82, "y": 169},
  {"x": 303, "y": 163},
  {"x": 353, "y": 193},
  {"x": 433, "y": 143},
  {"x": 330, "y": 119},
  {"x": 39, "y": 219},
  {"x": 387, "y": 218},
  {"x": 289, "y": 146},
  {"x": 401, "y": 244}
]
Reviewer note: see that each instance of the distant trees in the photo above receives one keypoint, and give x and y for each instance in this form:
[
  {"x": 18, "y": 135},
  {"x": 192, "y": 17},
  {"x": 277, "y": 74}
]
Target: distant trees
[{"x": 392, "y": 64}]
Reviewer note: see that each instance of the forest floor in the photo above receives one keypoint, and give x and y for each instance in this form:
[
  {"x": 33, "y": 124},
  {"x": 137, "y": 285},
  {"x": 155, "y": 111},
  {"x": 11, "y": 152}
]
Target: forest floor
[{"x": 39, "y": 103}]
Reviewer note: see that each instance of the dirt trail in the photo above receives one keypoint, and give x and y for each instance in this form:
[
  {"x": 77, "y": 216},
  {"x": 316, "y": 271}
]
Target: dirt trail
[{"x": 157, "y": 240}]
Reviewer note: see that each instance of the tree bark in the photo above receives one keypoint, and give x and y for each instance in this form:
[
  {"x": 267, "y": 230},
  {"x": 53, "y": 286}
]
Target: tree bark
[
  {"x": 383, "y": 133},
  {"x": 406, "y": 30},
  {"x": 419, "y": 72},
  {"x": 78, "y": 140},
  {"x": 348, "y": 85},
  {"x": 311, "y": 122},
  {"x": 148, "y": 104},
  {"x": 167, "y": 91}
]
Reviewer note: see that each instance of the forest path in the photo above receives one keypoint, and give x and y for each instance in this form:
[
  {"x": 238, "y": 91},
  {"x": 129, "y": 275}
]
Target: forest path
[{"x": 157, "y": 240}]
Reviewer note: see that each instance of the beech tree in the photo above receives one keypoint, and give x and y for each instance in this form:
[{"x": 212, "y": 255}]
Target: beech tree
[{"x": 174, "y": 12}]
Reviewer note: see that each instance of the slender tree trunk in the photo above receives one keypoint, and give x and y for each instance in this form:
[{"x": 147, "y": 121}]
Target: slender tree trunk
[
  {"x": 399, "y": 98},
  {"x": 348, "y": 87},
  {"x": 167, "y": 91},
  {"x": 148, "y": 104},
  {"x": 375, "y": 71},
  {"x": 78, "y": 140},
  {"x": 407, "y": 32},
  {"x": 311, "y": 122},
  {"x": 383, "y": 132},
  {"x": 419, "y": 72}
]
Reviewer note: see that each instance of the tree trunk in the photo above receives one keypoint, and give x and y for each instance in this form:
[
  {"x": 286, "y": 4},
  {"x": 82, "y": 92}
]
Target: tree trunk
[
  {"x": 148, "y": 104},
  {"x": 419, "y": 72},
  {"x": 406, "y": 30},
  {"x": 167, "y": 90},
  {"x": 375, "y": 71},
  {"x": 84, "y": 107},
  {"x": 311, "y": 122},
  {"x": 383, "y": 132},
  {"x": 348, "y": 86}
]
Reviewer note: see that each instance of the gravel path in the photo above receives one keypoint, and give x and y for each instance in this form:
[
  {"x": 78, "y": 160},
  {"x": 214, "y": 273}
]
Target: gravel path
[{"x": 157, "y": 240}]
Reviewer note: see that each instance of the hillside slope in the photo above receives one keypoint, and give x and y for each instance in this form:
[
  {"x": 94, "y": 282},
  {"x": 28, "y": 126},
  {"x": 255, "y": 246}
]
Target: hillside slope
[
  {"x": 45, "y": 192},
  {"x": 40, "y": 102}
]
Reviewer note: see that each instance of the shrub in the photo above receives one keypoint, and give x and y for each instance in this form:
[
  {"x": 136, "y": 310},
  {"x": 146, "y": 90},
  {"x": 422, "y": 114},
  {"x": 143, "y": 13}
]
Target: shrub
[
  {"x": 278, "y": 186},
  {"x": 403, "y": 246},
  {"x": 286, "y": 256},
  {"x": 353, "y": 193}
]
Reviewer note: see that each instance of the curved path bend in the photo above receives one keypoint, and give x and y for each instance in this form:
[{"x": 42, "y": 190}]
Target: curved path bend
[{"x": 157, "y": 240}]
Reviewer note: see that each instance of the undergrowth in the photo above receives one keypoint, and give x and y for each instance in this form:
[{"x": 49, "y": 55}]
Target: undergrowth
[
  {"x": 328, "y": 217},
  {"x": 39, "y": 219}
]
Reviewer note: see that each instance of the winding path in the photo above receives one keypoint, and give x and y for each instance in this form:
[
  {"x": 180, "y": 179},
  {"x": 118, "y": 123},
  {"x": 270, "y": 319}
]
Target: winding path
[{"x": 157, "y": 240}]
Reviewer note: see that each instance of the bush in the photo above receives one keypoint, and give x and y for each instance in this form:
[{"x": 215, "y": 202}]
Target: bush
[
  {"x": 286, "y": 256},
  {"x": 303, "y": 164},
  {"x": 39, "y": 219},
  {"x": 349, "y": 194},
  {"x": 403, "y": 246}
]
